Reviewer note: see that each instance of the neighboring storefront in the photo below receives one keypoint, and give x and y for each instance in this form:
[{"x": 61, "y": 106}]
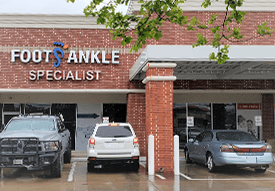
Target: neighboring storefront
[{"x": 68, "y": 64}]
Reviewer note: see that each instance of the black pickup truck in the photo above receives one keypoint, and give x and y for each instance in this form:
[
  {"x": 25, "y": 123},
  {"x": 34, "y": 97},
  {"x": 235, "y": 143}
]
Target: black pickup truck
[{"x": 35, "y": 142}]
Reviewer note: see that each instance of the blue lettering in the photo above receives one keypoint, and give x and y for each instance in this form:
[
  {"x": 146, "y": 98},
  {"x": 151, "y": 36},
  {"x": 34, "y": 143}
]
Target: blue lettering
[{"x": 57, "y": 63}]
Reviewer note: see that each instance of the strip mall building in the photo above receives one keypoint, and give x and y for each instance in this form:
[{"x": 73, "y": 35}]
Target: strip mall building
[{"x": 67, "y": 64}]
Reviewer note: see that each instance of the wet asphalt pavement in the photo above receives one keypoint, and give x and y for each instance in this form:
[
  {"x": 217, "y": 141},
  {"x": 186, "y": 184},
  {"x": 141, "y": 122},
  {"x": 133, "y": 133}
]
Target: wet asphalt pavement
[{"x": 193, "y": 177}]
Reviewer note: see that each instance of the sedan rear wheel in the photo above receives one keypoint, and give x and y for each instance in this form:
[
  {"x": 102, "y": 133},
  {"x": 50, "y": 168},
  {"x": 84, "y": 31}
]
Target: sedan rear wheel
[
  {"x": 187, "y": 159},
  {"x": 210, "y": 163}
]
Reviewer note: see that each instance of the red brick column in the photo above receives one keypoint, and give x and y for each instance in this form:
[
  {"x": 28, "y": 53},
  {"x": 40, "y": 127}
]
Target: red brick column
[
  {"x": 268, "y": 116},
  {"x": 136, "y": 117},
  {"x": 159, "y": 113}
]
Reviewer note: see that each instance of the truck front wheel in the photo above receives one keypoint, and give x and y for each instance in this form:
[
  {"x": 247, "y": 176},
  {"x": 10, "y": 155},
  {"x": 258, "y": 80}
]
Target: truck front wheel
[
  {"x": 57, "y": 166},
  {"x": 68, "y": 155}
]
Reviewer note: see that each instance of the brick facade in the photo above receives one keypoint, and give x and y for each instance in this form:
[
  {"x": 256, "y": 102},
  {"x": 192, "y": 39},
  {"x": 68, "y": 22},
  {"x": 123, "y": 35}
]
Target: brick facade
[
  {"x": 149, "y": 113},
  {"x": 224, "y": 84},
  {"x": 268, "y": 116},
  {"x": 159, "y": 118},
  {"x": 136, "y": 117}
]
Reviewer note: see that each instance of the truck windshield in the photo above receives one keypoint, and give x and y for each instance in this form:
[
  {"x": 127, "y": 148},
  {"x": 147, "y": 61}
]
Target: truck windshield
[{"x": 31, "y": 125}]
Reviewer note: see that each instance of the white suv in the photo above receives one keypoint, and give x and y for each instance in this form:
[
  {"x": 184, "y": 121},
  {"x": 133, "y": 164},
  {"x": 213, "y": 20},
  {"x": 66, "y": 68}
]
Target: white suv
[{"x": 112, "y": 143}]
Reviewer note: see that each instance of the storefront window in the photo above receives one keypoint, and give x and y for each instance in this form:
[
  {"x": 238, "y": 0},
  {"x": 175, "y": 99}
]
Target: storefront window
[
  {"x": 37, "y": 108},
  {"x": 68, "y": 112},
  {"x": 179, "y": 117},
  {"x": 202, "y": 115},
  {"x": 224, "y": 116},
  {"x": 11, "y": 107},
  {"x": 115, "y": 112}
]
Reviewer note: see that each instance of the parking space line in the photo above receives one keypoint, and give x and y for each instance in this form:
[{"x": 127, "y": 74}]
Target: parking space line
[
  {"x": 187, "y": 177},
  {"x": 271, "y": 171},
  {"x": 225, "y": 179},
  {"x": 71, "y": 175},
  {"x": 142, "y": 165},
  {"x": 161, "y": 177}
]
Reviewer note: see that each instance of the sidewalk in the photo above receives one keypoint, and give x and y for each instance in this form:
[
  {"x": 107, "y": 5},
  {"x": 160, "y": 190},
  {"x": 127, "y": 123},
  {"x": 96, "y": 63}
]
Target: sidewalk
[
  {"x": 83, "y": 154},
  {"x": 79, "y": 154}
]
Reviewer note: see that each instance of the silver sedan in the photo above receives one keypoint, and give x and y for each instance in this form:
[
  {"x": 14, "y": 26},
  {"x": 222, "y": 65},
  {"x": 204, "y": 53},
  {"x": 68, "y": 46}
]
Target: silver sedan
[{"x": 229, "y": 147}]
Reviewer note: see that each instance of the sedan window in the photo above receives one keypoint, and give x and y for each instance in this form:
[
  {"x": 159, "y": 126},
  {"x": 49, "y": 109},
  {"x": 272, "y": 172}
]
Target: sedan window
[
  {"x": 115, "y": 131},
  {"x": 235, "y": 136},
  {"x": 208, "y": 137},
  {"x": 199, "y": 137}
]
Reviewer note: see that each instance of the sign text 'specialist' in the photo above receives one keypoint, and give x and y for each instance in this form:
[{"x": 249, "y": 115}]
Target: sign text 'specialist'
[{"x": 37, "y": 56}]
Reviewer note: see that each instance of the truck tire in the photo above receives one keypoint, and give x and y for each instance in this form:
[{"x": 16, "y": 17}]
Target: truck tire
[
  {"x": 68, "y": 155},
  {"x": 57, "y": 166}
]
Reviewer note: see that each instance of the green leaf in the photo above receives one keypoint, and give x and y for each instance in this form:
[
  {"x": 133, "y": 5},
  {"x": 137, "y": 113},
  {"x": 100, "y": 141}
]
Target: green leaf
[{"x": 213, "y": 19}]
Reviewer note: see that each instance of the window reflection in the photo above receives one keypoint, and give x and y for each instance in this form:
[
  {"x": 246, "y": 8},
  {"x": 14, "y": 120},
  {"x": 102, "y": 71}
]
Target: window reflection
[
  {"x": 37, "y": 108},
  {"x": 179, "y": 117},
  {"x": 202, "y": 119},
  {"x": 11, "y": 107},
  {"x": 224, "y": 116},
  {"x": 202, "y": 115}
]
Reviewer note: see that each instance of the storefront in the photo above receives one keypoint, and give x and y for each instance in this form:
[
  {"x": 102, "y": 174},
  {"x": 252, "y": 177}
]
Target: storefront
[{"x": 70, "y": 65}]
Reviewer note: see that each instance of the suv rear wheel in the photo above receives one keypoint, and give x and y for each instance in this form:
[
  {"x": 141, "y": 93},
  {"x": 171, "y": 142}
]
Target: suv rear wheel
[
  {"x": 135, "y": 165},
  {"x": 90, "y": 166}
]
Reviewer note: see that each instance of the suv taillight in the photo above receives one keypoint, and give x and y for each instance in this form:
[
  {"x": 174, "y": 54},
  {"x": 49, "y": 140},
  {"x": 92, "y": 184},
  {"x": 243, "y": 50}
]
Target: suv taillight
[
  {"x": 135, "y": 141},
  {"x": 92, "y": 141}
]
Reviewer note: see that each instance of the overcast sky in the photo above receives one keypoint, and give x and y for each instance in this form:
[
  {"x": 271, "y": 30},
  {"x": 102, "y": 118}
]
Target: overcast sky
[{"x": 44, "y": 7}]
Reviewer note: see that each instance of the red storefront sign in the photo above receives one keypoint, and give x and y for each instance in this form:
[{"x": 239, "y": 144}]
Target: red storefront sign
[{"x": 252, "y": 106}]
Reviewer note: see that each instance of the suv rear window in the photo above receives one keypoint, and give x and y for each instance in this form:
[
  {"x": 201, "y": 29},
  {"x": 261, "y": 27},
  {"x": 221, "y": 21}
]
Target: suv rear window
[
  {"x": 115, "y": 131},
  {"x": 31, "y": 125}
]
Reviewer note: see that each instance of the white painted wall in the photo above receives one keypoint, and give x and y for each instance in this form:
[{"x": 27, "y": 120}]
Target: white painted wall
[{"x": 84, "y": 125}]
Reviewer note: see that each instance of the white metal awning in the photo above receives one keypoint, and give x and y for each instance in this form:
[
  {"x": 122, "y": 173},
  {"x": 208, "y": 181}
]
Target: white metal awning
[{"x": 246, "y": 62}]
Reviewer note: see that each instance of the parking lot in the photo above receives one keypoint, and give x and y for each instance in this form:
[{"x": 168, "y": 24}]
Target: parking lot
[{"x": 193, "y": 177}]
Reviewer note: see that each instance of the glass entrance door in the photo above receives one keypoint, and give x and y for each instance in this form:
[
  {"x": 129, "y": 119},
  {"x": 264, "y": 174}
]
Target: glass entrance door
[{"x": 69, "y": 114}]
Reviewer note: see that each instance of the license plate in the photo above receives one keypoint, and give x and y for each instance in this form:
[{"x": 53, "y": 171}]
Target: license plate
[
  {"x": 18, "y": 161},
  {"x": 109, "y": 145},
  {"x": 98, "y": 166},
  {"x": 251, "y": 160}
]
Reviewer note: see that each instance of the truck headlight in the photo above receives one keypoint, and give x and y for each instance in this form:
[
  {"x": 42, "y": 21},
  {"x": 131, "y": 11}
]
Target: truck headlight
[{"x": 51, "y": 146}]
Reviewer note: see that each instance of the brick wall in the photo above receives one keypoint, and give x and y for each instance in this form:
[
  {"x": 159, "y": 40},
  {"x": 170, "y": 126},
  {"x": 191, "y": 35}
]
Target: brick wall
[
  {"x": 100, "y": 38},
  {"x": 136, "y": 117},
  {"x": 268, "y": 116},
  {"x": 159, "y": 117},
  {"x": 112, "y": 76},
  {"x": 224, "y": 84}
]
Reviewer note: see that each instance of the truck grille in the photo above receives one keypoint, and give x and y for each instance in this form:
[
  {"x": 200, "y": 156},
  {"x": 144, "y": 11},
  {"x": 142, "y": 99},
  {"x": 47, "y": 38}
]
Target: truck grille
[{"x": 19, "y": 146}]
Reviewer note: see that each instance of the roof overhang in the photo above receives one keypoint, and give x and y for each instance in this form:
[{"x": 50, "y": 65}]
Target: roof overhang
[{"x": 246, "y": 62}]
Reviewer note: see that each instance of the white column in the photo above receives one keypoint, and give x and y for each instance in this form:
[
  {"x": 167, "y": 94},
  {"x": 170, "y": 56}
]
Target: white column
[
  {"x": 151, "y": 155},
  {"x": 176, "y": 156}
]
